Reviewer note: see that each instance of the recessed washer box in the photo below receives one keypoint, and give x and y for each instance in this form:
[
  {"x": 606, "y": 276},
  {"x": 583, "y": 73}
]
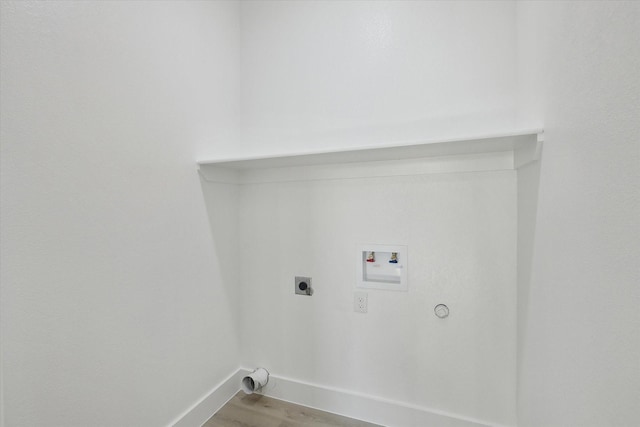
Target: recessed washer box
[{"x": 382, "y": 267}]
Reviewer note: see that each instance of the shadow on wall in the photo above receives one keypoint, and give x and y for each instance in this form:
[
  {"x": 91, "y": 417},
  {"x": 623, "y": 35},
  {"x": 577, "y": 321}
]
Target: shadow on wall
[
  {"x": 221, "y": 201},
  {"x": 528, "y": 185}
]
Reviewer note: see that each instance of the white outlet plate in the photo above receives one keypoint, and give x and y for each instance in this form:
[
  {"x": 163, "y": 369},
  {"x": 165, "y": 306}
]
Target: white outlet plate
[{"x": 360, "y": 302}]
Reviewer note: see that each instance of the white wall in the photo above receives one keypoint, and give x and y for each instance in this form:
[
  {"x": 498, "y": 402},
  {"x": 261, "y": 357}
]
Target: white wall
[
  {"x": 460, "y": 230},
  {"x": 317, "y": 75},
  {"x": 114, "y": 311},
  {"x": 323, "y": 74},
  {"x": 113, "y": 304},
  {"x": 580, "y": 317},
  {"x": 339, "y": 74}
]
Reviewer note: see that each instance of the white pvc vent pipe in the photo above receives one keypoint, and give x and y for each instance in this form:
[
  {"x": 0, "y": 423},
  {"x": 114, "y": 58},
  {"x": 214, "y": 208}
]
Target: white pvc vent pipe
[{"x": 255, "y": 380}]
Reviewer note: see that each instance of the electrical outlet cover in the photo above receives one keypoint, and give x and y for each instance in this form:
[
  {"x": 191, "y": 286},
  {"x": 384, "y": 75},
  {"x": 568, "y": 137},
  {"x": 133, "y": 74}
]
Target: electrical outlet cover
[{"x": 360, "y": 302}]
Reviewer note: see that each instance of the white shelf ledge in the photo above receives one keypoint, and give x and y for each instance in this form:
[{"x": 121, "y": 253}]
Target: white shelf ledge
[{"x": 506, "y": 150}]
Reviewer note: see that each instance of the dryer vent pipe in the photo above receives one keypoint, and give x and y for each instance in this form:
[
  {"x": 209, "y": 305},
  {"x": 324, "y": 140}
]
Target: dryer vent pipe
[{"x": 255, "y": 380}]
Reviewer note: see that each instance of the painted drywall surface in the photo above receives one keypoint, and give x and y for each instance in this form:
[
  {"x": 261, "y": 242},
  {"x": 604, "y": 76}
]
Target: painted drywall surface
[
  {"x": 460, "y": 230},
  {"x": 323, "y": 74},
  {"x": 581, "y": 331},
  {"x": 528, "y": 186},
  {"x": 114, "y": 311}
]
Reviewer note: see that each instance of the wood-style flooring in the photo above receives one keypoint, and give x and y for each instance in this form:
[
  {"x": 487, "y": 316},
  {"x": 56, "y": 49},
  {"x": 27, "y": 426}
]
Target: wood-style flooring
[{"x": 255, "y": 410}]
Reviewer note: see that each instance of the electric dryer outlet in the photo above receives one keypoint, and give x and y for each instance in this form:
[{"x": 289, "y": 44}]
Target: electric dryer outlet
[{"x": 303, "y": 286}]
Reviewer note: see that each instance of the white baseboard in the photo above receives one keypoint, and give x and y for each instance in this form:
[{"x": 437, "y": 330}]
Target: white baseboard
[
  {"x": 201, "y": 411},
  {"x": 360, "y": 406},
  {"x": 351, "y": 404}
]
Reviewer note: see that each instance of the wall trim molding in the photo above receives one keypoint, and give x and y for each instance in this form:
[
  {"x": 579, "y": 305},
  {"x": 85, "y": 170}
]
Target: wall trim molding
[
  {"x": 361, "y": 406},
  {"x": 373, "y": 409},
  {"x": 480, "y": 153},
  {"x": 211, "y": 403}
]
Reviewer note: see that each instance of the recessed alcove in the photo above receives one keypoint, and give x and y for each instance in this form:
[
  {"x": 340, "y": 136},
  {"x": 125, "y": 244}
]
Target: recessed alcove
[{"x": 453, "y": 203}]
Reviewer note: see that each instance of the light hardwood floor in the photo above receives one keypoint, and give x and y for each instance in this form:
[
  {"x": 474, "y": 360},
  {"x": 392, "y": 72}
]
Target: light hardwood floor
[{"x": 255, "y": 410}]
